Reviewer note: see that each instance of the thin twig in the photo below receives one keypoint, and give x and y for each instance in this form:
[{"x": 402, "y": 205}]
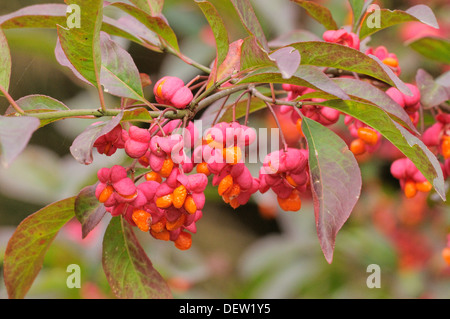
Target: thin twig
[
  {"x": 11, "y": 100},
  {"x": 283, "y": 140}
]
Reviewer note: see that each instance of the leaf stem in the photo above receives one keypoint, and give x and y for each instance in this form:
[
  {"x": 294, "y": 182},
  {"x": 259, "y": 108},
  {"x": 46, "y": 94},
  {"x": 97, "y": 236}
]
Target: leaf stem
[{"x": 11, "y": 100}]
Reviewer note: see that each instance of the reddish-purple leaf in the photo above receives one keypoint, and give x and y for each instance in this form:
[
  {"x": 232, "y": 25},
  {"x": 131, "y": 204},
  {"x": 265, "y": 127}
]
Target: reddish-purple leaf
[
  {"x": 250, "y": 21},
  {"x": 15, "y": 133},
  {"x": 119, "y": 74},
  {"x": 335, "y": 182},
  {"x": 287, "y": 60},
  {"x": 389, "y": 18},
  {"x": 81, "y": 148},
  {"x": 431, "y": 92},
  {"x": 157, "y": 24},
  {"x": 62, "y": 59},
  {"x": 128, "y": 269},
  {"x": 320, "y": 13},
  {"x": 35, "y": 16},
  {"x": 230, "y": 65},
  {"x": 88, "y": 210},
  {"x": 26, "y": 249}
]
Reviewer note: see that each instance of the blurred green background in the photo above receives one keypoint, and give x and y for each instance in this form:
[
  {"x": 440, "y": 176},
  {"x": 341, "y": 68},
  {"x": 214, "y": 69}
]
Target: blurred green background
[{"x": 255, "y": 251}]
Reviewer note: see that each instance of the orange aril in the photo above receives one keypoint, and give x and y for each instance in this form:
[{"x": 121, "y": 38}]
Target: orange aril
[
  {"x": 162, "y": 235},
  {"x": 410, "y": 189},
  {"x": 189, "y": 205},
  {"x": 179, "y": 196},
  {"x": 358, "y": 147},
  {"x": 291, "y": 181},
  {"x": 209, "y": 140},
  {"x": 164, "y": 201},
  {"x": 298, "y": 126},
  {"x": 105, "y": 194},
  {"x": 391, "y": 62},
  {"x": 142, "y": 219},
  {"x": 424, "y": 186},
  {"x": 446, "y": 255},
  {"x": 446, "y": 146},
  {"x": 159, "y": 88},
  {"x": 203, "y": 168},
  {"x": 166, "y": 168},
  {"x": 368, "y": 135},
  {"x": 177, "y": 223},
  {"x": 232, "y": 154},
  {"x": 153, "y": 176},
  {"x": 234, "y": 203},
  {"x": 158, "y": 226},
  {"x": 292, "y": 203},
  {"x": 225, "y": 184},
  {"x": 184, "y": 241},
  {"x": 233, "y": 191}
]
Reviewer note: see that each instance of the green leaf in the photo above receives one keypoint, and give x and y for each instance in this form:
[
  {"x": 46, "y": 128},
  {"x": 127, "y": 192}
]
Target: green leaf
[
  {"x": 411, "y": 146},
  {"x": 333, "y": 55},
  {"x": 81, "y": 148},
  {"x": 358, "y": 9},
  {"x": 368, "y": 92},
  {"x": 319, "y": 13},
  {"x": 431, "y": 92},
  {"x": 335, "y": 182},
  {"x": 152, "y": 7},
  {"x": 218, "y": 28},
  {"x": 156, "y": 24},
  {"x": 88, "y": 210},
  {"x": 119, "y": 74},
  {"x": 51, "y": 15},
  {"x": 253, "y": 56},
  {"x": 389, "y": 18},
  {"x": 250, "y": 21},
  {"x": 38, "y": 102},
  {"x": 15, "y": 133},
  {"x": 434, "y": 48},
  {"x": 26, "y": 249},
  {"x": 82, "y": 45},
  {"x": 139, "y": 114},
  {"x": 129, "y": 271},
  {"x": 5, "y": 62},
  {"x": 306, "y": 75}
]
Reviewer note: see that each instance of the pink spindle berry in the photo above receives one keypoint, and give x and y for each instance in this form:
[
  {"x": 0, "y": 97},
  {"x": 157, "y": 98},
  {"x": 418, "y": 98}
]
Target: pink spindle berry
[
  {"x": 109, "y": 143},
  {"x": 136, "y": 141},
  {"x": 115, "y": 186},
  {"x": 390, "y": 59},
  {"x": 343, "y": 37},
  {"x": 171, "y": 90}
]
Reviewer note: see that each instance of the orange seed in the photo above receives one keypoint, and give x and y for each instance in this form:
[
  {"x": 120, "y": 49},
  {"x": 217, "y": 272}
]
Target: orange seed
[
  {"x": 358, "y": 147},
  {"x": 166, "y": 168},
  {"x": 179, "y": 196},
  {"x": 292, "y": 203},
  {"x": 189, "y": 205},
  {"x": 368, "y": 135},
  {"x": 105, "y": 194},
  {"x": 164, "y": 201},
  {"x": 184, "y": 241},
  {"x": 142, "y": 219},
  {"x": 153, "y": 176},
  {"x": 225, "y": 184},
  {"x": 410, "y": 189}
]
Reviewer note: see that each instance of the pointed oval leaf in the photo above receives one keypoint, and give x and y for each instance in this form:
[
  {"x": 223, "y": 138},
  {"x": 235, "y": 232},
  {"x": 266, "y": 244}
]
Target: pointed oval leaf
[
  {"x": 88, "y": 210},
  {"x": 326, "y": 54},
  {"x": 431, "y": 92},
  {"x": 82, "y": 45},
  {"x": 318, "y": 12},
  {"x": 229, "y": 66},
  {"x": 250, "y": 21},
  {"x": 389, "y": 18},
  {"x": 306, "y": 75},
  {"x": 38, "y": 102},
  {"x": 129, "y": 271},
  {"x": 155, "y": 23},
  {"x": 218, "y": 28},
  {"x": 434, "y": 48},
  {"x": 81, "y": 148},
  {"x": 26, "y": 249},
  {"x": 15, "y": 133},
  {"x": 368, "y": 92},
  {"x": 335, "y": 182},
  {"x": 253, "y": 56},
  {"x": 411, "y": 146},
  {"x": 119, "y": 74},
  {"x": 35, "y": 16},
  {"x": 287, "y": 60}
]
